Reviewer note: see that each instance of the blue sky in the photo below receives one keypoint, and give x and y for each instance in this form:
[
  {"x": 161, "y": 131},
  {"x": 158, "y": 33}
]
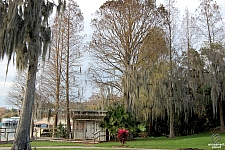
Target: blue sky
[
  {"x": 88, "y": 7},
  {"x": 5, "y": 82}
]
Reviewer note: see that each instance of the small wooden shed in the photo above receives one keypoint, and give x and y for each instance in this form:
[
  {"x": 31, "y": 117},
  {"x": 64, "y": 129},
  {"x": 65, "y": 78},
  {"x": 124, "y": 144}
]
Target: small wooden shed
[{"x": 86, "y": 125}]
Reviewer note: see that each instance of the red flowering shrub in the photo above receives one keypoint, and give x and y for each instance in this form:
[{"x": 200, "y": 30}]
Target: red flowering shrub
[{"x": 122, "y": 135}]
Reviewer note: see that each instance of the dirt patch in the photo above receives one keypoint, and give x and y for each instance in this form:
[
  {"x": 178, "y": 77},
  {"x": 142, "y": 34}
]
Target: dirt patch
[{"x": 121, "y": 146}]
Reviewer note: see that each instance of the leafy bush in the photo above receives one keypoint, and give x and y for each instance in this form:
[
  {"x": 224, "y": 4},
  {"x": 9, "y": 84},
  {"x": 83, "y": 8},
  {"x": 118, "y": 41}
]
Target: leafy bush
[
  {"x": 118, "y": 118},
  {"x": 61, "y": 131}
]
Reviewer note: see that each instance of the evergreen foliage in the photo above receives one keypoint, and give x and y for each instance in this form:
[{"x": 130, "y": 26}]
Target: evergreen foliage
[{"x": 118, "y": 118}]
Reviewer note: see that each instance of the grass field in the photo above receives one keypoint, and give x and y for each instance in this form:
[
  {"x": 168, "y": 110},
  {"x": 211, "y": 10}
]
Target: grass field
[{"x": 199, "y": 141}]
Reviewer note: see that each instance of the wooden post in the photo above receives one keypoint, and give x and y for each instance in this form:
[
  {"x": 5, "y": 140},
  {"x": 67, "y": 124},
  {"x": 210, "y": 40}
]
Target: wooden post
[
  {"x": 0, "y": 134},
  {"x": 99, "y": 135},
  {"x": 7, "y": 137}
]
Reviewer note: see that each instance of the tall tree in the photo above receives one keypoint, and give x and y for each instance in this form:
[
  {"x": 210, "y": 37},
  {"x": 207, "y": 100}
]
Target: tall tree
[
  {"x": 121, "y": 30},
  {"x": 24, "y": 31},
  {"x": 210, "y": 21},
  {"x": 212, "y": 30},
  {"x": 72, "y": 25},
  {"x": 214, "y": 56},
  {"x": 56, "y": 65},
  {"x": 63, "y": 68},
  {"x": 152, "y": 59},
  {"x": 192, "y": 64},
  {"x": 170, "y": 14}
]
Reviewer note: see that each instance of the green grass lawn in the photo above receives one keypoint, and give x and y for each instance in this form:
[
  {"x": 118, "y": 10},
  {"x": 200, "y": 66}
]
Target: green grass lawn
[{"x": 199, "y": 141}]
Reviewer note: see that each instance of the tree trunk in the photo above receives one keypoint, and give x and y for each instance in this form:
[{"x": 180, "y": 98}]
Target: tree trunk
[
  {"x": 126, "y": 93},
  {"x": 22, "y": 136},
  {"x": 67, "y": 98},
  {"x": 68, "y": 120},
  {"x": 67, "y": 80},
  {"x": 56, "y": 118},
  {"x": 58, "y": 81},
  {"x": 32, "y": 129},
  {"x": 150, "y": 123},
  {"x": 221, "y": 114},
  {"x": 171, "y": 123}
]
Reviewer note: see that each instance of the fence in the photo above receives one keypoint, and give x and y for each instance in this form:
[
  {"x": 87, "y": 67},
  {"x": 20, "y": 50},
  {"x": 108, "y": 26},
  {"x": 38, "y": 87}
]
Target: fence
[{"x": 7, "y": 134}]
